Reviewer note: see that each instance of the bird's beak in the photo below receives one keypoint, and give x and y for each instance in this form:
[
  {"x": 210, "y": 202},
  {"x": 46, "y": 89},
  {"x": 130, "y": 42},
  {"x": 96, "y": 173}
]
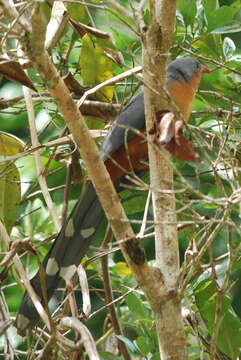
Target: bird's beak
[{"x": 205, "y": 70}]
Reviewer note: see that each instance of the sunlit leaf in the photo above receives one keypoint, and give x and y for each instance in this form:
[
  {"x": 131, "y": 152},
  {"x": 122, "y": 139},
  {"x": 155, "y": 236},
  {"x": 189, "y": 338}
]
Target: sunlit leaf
[
  {"x": 76, "y": 11},
  {"x": 220, "y": 17},
  {"x": 228, "y": 48},
  {"x": 10, "y": 144},
  {"x": 122, "y": 269},
  {"x": 96, "y": 67},
  {"x": 210, "y": 5},
  {"x": 10, "y": 190},
  {"x": 10, "y": 194},
  {"x": 227, "y": 29}
]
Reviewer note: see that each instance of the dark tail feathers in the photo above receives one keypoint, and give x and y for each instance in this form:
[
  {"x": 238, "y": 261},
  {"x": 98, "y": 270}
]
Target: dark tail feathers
[{"x": 65, "y": 254}]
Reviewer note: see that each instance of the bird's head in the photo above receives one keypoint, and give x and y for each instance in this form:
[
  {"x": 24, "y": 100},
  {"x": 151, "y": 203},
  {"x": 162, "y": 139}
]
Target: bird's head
[
  {"x": 185, "y": 69},
  {"x": 183, "y": 78}
]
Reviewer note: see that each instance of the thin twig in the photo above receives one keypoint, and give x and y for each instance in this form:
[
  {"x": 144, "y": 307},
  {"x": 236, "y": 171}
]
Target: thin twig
[
  {"x": 25, "y": 279},
  {"x": 35, "y": 143},
  {"x": 109, "y": 295},
  {"x": 111, "y": 81}
]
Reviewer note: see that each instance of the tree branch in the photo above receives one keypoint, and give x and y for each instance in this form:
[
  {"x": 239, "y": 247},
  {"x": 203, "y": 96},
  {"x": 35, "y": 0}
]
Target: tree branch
[
  {"x": 157, "y": 40},
  {"x": 148, "y": 278}
]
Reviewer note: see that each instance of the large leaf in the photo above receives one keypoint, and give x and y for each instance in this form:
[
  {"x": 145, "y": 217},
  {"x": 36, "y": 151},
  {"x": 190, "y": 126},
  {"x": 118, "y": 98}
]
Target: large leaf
[
  {"x": 10, "y": 191},
  {"x": 10, "y": 144},
  {"x": 96, "y": 67},
  {"x": 220, "y": 17},
  {"x": 136, "y": 306},
  {"x": 146, "y": 345},
  {"x": 76, "y": 11},
  {"x": 10, "y": 194},
  {"x": 210, "y": 5},
  {"x": 229, "y": 334},
  {"x": 188, "y": 10},
  {"x": 210, "y": 45}
]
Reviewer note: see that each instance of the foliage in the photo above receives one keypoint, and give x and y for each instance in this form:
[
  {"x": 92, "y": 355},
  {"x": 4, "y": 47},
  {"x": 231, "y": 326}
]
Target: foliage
[{"x": 208, "y": 194}]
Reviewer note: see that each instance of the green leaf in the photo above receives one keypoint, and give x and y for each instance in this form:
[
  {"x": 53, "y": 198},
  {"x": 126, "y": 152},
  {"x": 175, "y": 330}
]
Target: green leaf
[
  {"x": 147, "y": 16},
  {"x": 220, "y": 17},
  {"x": 144, "y": 346},
  {"x": 155, "y": 357},
  {"x": 36, "y": 218},
  {"x": 76, "y": 11},
  {"x": 10, "y": 190},
  {"x": 136, "y": 306},
  {"x": 213, "y": 125},
  {"x": 134, "y": 201},
  {"x": 10, "y": 144},
  {"x": 104, "y": 43},
  {"x": 188, "y": 10},
  {"x": 210, "y": 45},
  {"x": 104, "y": 355},
  {"x": 96, "y": 67},
  {"x": 210, "y": 5},
  {"x": 10, "y": 194},
  {"x": 237, "y": 264},
  {"x": 229, "y": 334}
]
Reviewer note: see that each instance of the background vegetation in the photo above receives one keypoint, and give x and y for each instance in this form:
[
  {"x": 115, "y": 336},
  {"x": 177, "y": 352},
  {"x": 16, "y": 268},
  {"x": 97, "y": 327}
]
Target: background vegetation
[{"x": 208, "y": 194}]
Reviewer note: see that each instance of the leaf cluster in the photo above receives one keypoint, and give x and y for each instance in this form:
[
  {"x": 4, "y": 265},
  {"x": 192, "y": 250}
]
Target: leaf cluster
[{"x": 97, "y": 42}]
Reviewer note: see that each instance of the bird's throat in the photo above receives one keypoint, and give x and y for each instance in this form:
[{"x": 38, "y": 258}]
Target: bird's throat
[{"x": 184, "y": 94}]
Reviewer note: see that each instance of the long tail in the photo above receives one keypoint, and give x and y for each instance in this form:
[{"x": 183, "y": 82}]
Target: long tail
[{"x": 65, "y": 254}]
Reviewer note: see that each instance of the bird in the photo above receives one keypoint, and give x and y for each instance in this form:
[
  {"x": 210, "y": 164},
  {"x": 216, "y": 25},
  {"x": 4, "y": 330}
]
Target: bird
[{"x": 122, "y": 150}]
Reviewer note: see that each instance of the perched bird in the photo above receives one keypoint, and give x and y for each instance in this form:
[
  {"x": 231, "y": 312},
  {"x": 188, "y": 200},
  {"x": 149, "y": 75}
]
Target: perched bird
[{"x": 122, "y": 151}]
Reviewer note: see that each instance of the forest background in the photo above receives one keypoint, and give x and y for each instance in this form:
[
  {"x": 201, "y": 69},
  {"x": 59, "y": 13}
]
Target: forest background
[{"x": 95, "y": 42}]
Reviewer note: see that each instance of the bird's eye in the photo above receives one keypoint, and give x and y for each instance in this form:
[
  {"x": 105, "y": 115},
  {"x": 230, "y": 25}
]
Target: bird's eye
[{"x": 198, "y": 66}]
